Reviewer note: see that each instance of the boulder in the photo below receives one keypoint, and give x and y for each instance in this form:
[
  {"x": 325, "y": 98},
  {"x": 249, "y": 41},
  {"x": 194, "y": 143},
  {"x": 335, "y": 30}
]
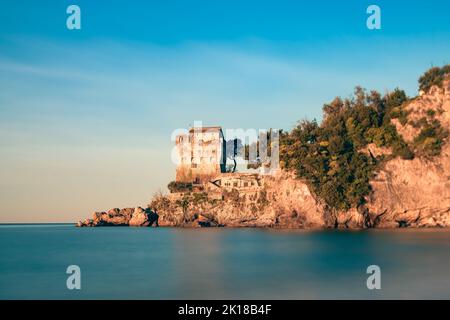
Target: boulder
[{"x": 143, "y": 218}]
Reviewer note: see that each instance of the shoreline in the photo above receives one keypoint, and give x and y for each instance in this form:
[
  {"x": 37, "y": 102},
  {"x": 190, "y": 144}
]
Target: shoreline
[{"x": 262, "y": 228}]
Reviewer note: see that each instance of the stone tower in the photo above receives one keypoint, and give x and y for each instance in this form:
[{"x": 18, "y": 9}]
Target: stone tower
[{"x": 202, "y": 154}]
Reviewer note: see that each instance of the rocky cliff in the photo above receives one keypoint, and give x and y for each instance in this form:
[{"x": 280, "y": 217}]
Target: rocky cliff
[
  {"x": 416, "y": 192},
  {"x": 405, "y": 193}
]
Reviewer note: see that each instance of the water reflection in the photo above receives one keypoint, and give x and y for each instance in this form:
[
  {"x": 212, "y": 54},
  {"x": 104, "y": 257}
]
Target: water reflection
[
  {"x": 198, "y": 264},
  {"x": 147, "y": 263}
]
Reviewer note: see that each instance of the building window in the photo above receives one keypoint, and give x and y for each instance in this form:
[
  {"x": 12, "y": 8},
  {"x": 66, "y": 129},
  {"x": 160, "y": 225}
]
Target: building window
[{"x": 194, "y": 165}]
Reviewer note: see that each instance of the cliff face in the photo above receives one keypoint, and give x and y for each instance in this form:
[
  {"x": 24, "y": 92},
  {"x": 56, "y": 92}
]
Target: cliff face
[
  {"x": 280, "y": 201},
  {"x": 416, "y": 192},
  {"x": 405, "y": 193}
]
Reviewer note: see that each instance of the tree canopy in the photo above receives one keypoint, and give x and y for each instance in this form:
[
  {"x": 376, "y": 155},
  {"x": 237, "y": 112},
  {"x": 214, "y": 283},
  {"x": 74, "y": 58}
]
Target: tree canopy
[{"x": 330, "y": 157}]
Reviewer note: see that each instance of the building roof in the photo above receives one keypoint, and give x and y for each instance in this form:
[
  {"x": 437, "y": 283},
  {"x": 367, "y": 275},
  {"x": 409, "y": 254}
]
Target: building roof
[{"x": 205, "y": 129}]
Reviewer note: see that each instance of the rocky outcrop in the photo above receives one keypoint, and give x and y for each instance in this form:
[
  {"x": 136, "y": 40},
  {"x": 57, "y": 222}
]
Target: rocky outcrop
[
  {"x": 281, "y": 201},
  {"x": 136, "y": 217},
  {"x": 405, "y": 193}
]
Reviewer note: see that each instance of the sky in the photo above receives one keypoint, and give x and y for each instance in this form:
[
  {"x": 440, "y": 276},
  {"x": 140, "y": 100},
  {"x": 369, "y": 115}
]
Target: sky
[{"x": 86, "y": 116}]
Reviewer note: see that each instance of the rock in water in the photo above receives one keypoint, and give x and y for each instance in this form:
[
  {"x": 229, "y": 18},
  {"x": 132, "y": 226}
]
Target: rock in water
[
  {"x": 143, "y": 218},
  {"x": 137, "y": 217}
]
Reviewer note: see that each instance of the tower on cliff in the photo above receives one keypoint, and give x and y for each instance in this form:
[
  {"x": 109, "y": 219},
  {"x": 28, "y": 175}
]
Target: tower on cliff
[{"x": 202, "y": 154}]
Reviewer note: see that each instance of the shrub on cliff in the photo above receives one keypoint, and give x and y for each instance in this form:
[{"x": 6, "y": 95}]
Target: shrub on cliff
[
  {"x": 159, "y": 202},
  {"x": 434, "y": 76},
  {"x": 430, "y": 139},
  {"x": 175, "y": 186}
]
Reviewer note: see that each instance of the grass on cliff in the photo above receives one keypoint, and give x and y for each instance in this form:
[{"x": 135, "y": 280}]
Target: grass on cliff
[{"x": 329, "y": 157}]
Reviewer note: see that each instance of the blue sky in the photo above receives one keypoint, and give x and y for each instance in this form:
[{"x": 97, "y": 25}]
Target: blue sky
[{"x": 86, "y": 115}]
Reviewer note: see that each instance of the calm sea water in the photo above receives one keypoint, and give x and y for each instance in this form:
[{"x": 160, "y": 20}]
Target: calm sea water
[{"x": 164, "y": 263}]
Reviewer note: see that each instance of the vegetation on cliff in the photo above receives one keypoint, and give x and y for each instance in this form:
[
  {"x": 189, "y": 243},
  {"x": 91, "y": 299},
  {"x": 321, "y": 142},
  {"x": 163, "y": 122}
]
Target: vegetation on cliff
[
  {"x": 329, "y": 156},
  {"x": 434, "y": 76},
  {"x": 175, "y": 186}
]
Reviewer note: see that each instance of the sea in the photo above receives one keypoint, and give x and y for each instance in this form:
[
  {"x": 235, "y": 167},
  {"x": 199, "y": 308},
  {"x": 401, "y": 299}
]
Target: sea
[{"x": 36, "y": 262}]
